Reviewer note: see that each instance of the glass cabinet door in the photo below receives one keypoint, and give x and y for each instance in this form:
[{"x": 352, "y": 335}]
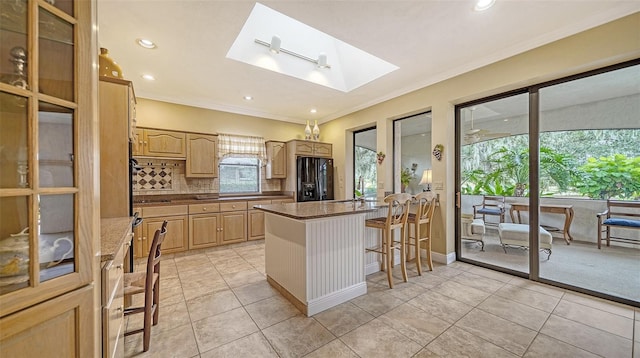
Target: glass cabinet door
[{"x": 40, "y": 177}]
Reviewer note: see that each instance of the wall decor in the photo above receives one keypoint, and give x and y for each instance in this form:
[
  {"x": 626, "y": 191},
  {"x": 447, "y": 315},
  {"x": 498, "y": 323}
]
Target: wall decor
[
  {"x": 381, "y": 156},
  {"x": 437, "y": 151}
]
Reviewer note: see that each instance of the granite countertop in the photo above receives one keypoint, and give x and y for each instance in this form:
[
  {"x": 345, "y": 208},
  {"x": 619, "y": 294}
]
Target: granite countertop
[
  {"x": 321, "y": 209},
  {"x": 113, "y": 234},
  {"x": 184, "y": 199}
]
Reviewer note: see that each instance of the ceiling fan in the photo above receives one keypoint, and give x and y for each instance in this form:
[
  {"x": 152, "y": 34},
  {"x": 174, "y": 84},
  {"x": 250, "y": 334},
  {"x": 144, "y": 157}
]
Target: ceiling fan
[{"x": 475, "y": 135}]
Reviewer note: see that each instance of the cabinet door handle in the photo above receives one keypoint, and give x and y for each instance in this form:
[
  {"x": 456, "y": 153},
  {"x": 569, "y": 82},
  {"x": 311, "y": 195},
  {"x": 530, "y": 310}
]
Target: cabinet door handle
[
  {"x": 120, "y": 309},
  {"x": 204, "y": 209},
  {"x": 119, "y": 267}
]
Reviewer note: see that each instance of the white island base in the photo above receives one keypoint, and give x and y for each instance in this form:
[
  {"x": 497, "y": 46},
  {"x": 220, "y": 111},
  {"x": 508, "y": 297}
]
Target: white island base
[{"x": 316, "y": 263}]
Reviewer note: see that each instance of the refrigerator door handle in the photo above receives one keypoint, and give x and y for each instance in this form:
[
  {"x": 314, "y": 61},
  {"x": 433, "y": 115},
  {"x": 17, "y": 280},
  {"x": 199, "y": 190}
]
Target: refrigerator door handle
[{"x": 318, "y": 181}]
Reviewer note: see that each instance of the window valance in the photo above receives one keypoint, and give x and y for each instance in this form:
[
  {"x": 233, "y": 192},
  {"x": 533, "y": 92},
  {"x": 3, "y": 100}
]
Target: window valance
[{"x": 230, "y": 145}]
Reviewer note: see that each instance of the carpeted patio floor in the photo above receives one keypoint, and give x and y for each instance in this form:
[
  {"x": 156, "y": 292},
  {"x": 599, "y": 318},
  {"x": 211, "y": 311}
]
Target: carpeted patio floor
[{"x": 611, "y": 270}]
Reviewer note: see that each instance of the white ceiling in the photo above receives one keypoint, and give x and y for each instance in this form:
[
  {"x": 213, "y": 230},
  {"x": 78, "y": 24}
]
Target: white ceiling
[{"x": 428, "y": 40}]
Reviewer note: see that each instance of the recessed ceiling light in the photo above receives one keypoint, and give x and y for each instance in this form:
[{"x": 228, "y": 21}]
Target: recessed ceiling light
[
  {"x": 149, "y": 77},
  {"x": 482, "y": 5},
  {"x": 313, "y": 110},
  {"x": 248, "y": 98},
  {"x": 146, "y": 43},
  {"x": 506, "y": 119}
]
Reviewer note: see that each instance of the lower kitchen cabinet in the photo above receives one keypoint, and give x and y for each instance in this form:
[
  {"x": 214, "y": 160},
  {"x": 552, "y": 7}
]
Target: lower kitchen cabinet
[
  {"x": 233, "y": 227},
  {"x": 217, "y": 228},
  {"x": 198, "y": 226},
  {"x": 113, "y": 325},
  {"x": 255, "y": 221},
  {"x": 203, "y": 230},
  {"x": 175, "y": 240}
]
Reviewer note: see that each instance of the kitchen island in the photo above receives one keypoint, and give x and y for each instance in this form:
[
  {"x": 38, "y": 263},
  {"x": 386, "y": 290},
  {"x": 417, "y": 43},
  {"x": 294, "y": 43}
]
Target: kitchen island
[{"x": 315, "y": 251}]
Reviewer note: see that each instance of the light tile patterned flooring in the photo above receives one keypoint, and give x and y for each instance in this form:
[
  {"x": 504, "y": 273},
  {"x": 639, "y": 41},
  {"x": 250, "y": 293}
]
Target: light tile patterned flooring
[{"x": 217, "y": 303}]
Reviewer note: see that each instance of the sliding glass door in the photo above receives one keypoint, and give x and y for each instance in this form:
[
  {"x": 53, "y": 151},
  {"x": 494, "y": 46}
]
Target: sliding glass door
[
  {"x": 590, "y": 153},
  {"x": 494, "y": 172},
  {"x": 536, "y": 167}
]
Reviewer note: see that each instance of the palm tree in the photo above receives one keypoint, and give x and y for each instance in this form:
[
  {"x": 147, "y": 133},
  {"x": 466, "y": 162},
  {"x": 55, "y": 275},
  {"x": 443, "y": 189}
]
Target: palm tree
[{"x": 512, "y": 164}]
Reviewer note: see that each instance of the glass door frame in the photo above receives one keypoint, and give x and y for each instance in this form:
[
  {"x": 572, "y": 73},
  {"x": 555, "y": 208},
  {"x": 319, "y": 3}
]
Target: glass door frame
[
  {"x": 534, "y": 183},
  {"x": 353, "y": 156}
]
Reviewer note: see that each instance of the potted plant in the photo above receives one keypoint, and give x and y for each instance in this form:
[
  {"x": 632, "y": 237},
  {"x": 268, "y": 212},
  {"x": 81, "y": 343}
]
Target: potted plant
[{"x": 405, "y": 177}]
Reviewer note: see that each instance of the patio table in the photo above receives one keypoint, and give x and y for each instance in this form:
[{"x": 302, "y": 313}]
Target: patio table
[{"x": 566, "y": 210}]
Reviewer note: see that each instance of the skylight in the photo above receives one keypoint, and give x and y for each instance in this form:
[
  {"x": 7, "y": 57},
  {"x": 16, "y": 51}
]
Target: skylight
[{"x": 348, "y": 66}]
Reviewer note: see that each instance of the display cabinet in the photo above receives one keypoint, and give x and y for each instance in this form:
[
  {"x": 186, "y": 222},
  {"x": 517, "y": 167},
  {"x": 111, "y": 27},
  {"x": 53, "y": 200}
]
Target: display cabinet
[{"x": 48, "y": 148}]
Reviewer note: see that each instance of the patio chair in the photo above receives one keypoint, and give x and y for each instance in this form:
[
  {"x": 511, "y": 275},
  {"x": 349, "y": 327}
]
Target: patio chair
[{"x": 491, "y": 205}]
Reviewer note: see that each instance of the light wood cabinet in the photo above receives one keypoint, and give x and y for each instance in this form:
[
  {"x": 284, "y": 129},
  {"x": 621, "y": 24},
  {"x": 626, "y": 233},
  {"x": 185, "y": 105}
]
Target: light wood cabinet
[
  {"x": 255, "y": 220},
  {"x": 137, "y": 146},
  {"x": 202, "y": 156},
  {"x": 113, "y": 326},
  {"x": 49, "y": 136},
  {"x": 175, "y": 240},
  {"x": 160, "y": 143},
  {"x": 203, "y": 225},
  {"x": 233, "y": 227},
  {"x": 203, "y": 230},
  {"x": 116, "y": 99},
  {"x": 217, "y": 224},
  {"x": 60, "y": 327},
  {"x": 276, "y": 160},
  {"x": 323, "y": 150},
  {"x": 309, "y": 148}
]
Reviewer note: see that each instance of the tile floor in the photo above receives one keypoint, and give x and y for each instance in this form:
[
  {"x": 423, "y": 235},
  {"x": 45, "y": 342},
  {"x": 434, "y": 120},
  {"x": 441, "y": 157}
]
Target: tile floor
[{"x": 217, "y": 303}]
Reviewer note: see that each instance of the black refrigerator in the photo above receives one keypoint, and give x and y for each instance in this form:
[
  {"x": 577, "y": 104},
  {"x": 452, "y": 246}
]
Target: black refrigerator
[{"x": 315, "y": 178}]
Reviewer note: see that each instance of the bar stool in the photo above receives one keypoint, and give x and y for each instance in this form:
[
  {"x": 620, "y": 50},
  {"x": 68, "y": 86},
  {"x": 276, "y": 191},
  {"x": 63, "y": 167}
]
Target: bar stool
[
  {"x": 396, "y": 219},
  {"x": 426, "y": 202}
]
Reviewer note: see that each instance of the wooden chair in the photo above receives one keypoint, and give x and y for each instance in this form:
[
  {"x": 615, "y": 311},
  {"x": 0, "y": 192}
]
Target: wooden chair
[
  {"x": 147, "y": 282},
  {"x": 491, "y": 205},
  {"x": 396, "y": 218},
  {"x": 421, "y": 224}
]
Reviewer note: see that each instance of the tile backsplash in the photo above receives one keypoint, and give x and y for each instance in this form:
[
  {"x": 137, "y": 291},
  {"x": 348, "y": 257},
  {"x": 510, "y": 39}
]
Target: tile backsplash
[
  {"x": 164, "y": 176},
  {"x": 152, "y": 178}
]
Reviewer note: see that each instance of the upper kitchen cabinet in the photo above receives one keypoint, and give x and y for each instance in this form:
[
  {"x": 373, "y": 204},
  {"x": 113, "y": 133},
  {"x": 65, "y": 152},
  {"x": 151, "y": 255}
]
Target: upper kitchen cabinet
[
  {"x": 202, "y": 158},
  {"x": 117, "y": 125},
  {"x": 308, "y": 148},
  {"x": 48, "y": 154},
  {"x": 160, "y": 143},
  {"x": 276, "y": 160},
  {"x": 137, "y": 146}
]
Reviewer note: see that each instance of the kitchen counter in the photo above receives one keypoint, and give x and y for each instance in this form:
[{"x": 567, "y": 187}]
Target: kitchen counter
[
  {"x": 178, "y": 199},
  {"x": 321, "y": 209},
  {"x": 113, "y": 233}
]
